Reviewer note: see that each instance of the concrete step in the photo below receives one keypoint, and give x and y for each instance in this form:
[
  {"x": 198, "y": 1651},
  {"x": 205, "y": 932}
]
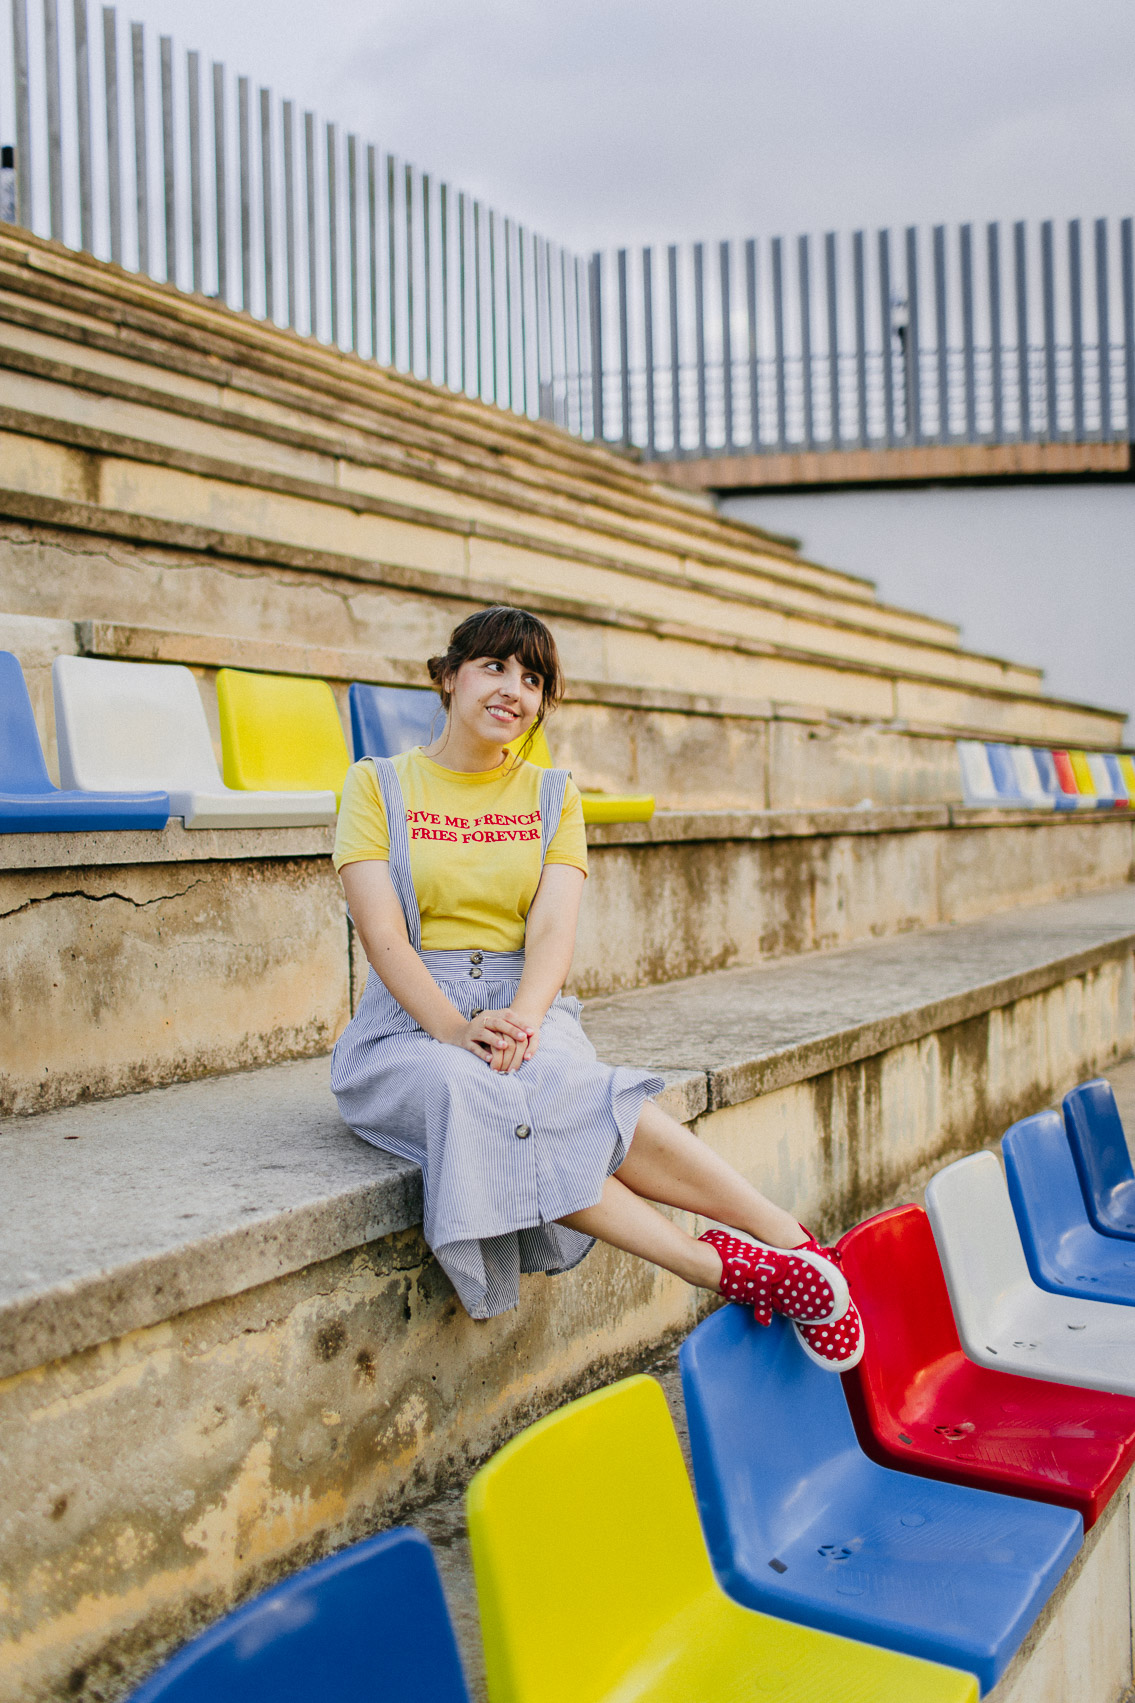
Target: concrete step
[{"x": 226, "y": 1348}]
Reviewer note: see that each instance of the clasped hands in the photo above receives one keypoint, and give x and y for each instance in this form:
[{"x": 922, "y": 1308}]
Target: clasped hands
[{"x": 503, "y": 1039}]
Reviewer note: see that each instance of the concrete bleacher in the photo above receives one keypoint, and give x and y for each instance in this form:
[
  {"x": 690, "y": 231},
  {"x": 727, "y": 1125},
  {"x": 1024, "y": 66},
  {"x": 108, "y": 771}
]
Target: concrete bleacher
[{"x": 225, "y": 1348}]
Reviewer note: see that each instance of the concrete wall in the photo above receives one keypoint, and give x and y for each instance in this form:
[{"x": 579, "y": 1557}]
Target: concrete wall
[{"x": 148, "y": 1483}]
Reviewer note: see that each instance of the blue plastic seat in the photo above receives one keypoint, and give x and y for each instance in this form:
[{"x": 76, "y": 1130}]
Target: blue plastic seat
[
  {"x": 1065, "y": 1251},
  {"x": 801, "y": 1524},
  {"x": 387, "y": 720},
  {"x": 1050, "y": 781},
  {"x": 1102, "y": 1157},
  {"x": 368, "y": 1625},
  {"x": 1004, "y": 774},
  {"x": 1120, "y": 789},
  {"x": 29, "y": 801}
]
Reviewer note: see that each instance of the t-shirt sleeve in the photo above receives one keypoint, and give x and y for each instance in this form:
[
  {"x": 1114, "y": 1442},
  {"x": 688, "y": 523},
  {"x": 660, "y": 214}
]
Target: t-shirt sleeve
[
  {"x": 569, "y": 842},
  {"x": 361, "y": 831}
]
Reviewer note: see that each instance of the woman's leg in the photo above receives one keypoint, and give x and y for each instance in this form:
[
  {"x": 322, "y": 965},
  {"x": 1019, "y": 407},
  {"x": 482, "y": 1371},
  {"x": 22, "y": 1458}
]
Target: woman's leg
[
  {"x": 668, "y": 1164},
  {"x": 624, "y": 1219}
]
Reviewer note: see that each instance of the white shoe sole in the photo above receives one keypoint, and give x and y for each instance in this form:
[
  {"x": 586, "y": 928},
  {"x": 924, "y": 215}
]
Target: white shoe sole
[{"x": 823, "y": 1362}]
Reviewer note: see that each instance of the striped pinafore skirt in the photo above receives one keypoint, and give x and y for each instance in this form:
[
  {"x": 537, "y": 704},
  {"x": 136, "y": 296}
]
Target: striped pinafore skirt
[{"x": 502, "y": 1157}]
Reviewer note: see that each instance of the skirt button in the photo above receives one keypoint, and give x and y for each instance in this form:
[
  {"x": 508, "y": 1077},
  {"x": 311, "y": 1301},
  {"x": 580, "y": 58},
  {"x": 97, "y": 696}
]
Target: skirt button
[
  {"x": 475, "y": 957},
  {"x": 475, "y": 971},
  {"x": 477, "y": 1011},
  {"x": 523, "y": 1131}
]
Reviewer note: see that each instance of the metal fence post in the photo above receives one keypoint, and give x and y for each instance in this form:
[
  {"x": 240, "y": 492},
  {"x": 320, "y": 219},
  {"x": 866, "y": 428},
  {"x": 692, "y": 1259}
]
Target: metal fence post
[
  {"x": 1103, "y": 329},
  {"x": 54, "y": 118},
  {"x": 648, "y": 338},
  {"x": 968, "y": 358},
  {"x": 725, "y": 267},
  {"x": 219, "y": 180},
  {"x": 887, "y": 333},
  {"x": 675, "y": 349},
  {"x": 24, "y": 111},
  {"x": 913, "y": 341},
  {"x": 595, "y": 298},
  {"x": 332, "y": 150},
  {"x": 831, "y": 282},
  {"x": 427, "y": 304},
  {"x": 267, "y": 196},
  {"x": 493, "y": 309},
  {"x": 624, "y": 350},
  {"x": 408, "y": 209},
  {"x": 804, "y": 280},
  {"x": 372, "y": 245},
  {"x": 1127, "y": 262},
  {"x": 1048, "y": 298},
  {"x": 83, "y": 125},
  {"x": 860, "y": 271},
  {"x": 169, "y": 180},
  {"x": 443, "y": 213},
  {"x": 509, "y": 361},
  {"x": 244, "y": 170},
  {"x": 392, "y": 259},
  {"x": 141, "y": 165},
  {"x": 462, "y": 310},
  {"x": 993, "y": 267},
  {"x": 699, "y": 339},
  {"x": 778, "y": 342},
  {"x": 193, "y": 91},
  {"x": 287, "y": 117},
  {"x": 1076, "y": 318},
  {"x": 311, "y": 202},
  {"x": 751, "y": 319},
  {"x": 942, "y": 352},
  {"x": 1021, "y": 283},
  {"x": 480, "y": 389},
  {"x": 353, "y": 233}
]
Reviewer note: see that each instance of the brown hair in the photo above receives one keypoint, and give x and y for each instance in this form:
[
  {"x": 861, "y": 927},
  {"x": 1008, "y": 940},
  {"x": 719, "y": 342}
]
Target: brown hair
[{"x": 502, "y": 632}]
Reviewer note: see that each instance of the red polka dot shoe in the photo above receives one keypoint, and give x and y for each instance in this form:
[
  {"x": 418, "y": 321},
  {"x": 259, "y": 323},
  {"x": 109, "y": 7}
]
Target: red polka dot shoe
[
  {"x": 794, "y": 1281},
  {"x": 836, "y": 1346}
]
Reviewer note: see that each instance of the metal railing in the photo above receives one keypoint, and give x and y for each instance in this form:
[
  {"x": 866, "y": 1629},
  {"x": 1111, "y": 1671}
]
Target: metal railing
[{"x": 193, "y": 176}]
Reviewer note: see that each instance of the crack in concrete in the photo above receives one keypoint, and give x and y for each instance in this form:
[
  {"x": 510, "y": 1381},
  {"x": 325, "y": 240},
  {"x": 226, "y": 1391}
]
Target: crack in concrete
[{"x": 98, "y": 898}]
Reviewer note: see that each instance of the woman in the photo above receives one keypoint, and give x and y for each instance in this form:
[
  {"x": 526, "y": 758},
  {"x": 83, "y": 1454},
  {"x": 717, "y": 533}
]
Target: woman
[{"x": 463, "y": 867}]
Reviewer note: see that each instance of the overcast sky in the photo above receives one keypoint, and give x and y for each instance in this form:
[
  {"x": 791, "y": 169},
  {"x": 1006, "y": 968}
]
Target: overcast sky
[{"x": 610, "y": 121}]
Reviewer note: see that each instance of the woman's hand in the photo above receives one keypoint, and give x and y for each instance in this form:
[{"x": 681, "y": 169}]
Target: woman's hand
[{"x": 500, "y": 1038}]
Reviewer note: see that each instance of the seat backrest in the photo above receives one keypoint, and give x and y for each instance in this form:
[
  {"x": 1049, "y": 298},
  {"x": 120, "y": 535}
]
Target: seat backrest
[
  {"x": 895, "y": 1274},
  {"x": 1127, "y": 770},
  {"x": 1049, "y": 778},
  {"x": 1028, "y": 775},
  {"x": 1097, "y": 1140},
  {"x": 369, "y": 1623},
  {"x": 1081, "y": 769},
  {"x": 1118, "y": 779},
  {"x": 280, "y": 733},
  {"x": 22, "y": 768},
  {"x": 1101, "y": 778},
  {"x": 980, "y": 1247},
  {"x": 978, "y": 784},
  {"x": 1067, "y": 776},
  {"x": 131, "y": 726},
  {"x": 387, "y": 720},
  {"x": 1004, "y": 771},
  {"x": 534, "y": 748},
  {"x": 586, "y": 1543},
  {"x": 1043, "y": 1185},
  {"x": 772, "y": 1440}
]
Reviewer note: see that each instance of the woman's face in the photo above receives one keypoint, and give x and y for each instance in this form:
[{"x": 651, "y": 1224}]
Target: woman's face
[{"x": 496, "y": 701}]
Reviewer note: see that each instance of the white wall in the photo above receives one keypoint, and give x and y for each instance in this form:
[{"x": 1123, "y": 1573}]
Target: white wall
[{"x": 1038, "y": 573}]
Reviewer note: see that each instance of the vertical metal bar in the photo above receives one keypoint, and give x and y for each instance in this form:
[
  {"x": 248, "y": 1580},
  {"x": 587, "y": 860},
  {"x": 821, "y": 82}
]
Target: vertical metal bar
[
  {"x": 1021, "y": 287},
  {"x": 832, "y": 282},
  {"x": 913, "y": 340},
  {"x": 539, "y": 249},
  {"x": 311, "y": 205},
  {"x": 624, "y": 349},
  {"x": 805, "y": 282},
  {"x": 523, "y": 324},
  {"x": 564, "y": 326},
  {"x": 408, "y": 209},
  {"x": 332, "y": 147},
  {"x": 675, "y": 350},
  {"x": 427, "y": 292},
  {"x": 595, "y": 282},
  {"x": 54, "y": 117},
  {"x": 372, "y": 245},
  {"x": 462, "y": 318},
  {"x": 220, "y": 190},
  {"x": 1076, "y": 317},
  {"x": 477, "y": 304},
  {"x": 778, "y": 341},
  {"x": 193, "y": 82},
  {"x": 548, "y": 321},
  {"x": 392, "y": 256},
  {"x": 1127, "y": 263},
  {"x": 648, "y": 337},
  {"x": 996, "y": 351},
  {"x": 725, "y": 266},
  {"x": 288, "y": 118},
  {"x": 24, "y": 109},
  {"x": 244, "y": 162},
  {"x": 1048, "y": 302},
  {"x": 83, "y": 115},
  {"x": 141, "y": 166},
  {"x": 751, "y": 320},
  {"x": 941, "y": 349},
  {"x": 353, "y": 232},
  {"x": 969, "y": 360},
  {"x": 887, "y": 335},
  {"x": 578, "y": 297},
  {"x": 508, "y": 311},
  {"x": 169, "y": 166},
  {"x": 267, "y": 197},
  {"x": 493, "y": 301},
  {"x": 1103, "y": 329},
  {"x": 699, "y": 339},
  {"x": 443, "y": 210},
  {"x": 859, "y": 274}
]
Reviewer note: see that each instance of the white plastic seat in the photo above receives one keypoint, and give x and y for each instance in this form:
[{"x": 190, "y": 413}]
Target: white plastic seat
[
  {"x": 1028, "y": 778},
  {"x": 978, "y": 785},
  {"x": 120, "y": 725},
  {"x": 1105, "y": 787},
  {"x": 1004, "y": 1320}
]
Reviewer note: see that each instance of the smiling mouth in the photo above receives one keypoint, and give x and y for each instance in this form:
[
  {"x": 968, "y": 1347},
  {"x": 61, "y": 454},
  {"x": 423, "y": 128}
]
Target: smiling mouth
[{"x": 499, "y": 712}]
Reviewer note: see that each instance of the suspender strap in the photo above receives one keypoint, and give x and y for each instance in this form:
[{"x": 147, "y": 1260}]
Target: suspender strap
[
  {"x": 552, "y": 784},
  {"x": 394, "y": 804}
]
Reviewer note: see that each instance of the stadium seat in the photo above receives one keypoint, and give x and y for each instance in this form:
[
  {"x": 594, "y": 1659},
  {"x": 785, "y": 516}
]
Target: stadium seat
[
  {"x": 1032, "y": 789},
  {"x": 143, "y": 724},
  {"x": 1104, "y": 786},
  {"x": 978, "y": 784},
  {"x": 1127, "y": 770},
  {"x": 1004, "y": 772},
  {"x": 1102, "y": 1157},
  {"x": 367, "y": 1624},
  {"x": 801, "y": 1524},
  {"x": 1070, "y": 782},
  {"x": 280, "y": 733},
  {"x": 1065, "y": 1251},
  {"x": 595, "y": 1585},
  {"x": 388, "y": 719},
  {"x": 921, "y": 1406},
  {"x": 30, "y": 803},
  {"x": 1123, "y": 794},
  {"x": 1004, "y": 1319},
  {"x": 1058, "y": 796}
]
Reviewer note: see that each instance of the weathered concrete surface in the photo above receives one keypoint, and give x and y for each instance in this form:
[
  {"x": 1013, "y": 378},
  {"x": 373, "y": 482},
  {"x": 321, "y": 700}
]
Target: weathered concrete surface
[
  {"x": 118, "y": 978},
  {"x": 148, "y": 1481}
]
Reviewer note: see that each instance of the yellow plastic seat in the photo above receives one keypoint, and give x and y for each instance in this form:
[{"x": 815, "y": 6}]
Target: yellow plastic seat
[
  {"x": 595, "y": 1585},
  {"x": 1079, "y": 762},
  {"x": 597, "y": 806},
  {"x": 1127, "y": 770},
  {"x": 280, "y": 734}
]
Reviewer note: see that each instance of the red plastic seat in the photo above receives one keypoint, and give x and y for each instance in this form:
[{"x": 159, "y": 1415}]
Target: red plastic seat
[{"x": 920, "y": 1405}]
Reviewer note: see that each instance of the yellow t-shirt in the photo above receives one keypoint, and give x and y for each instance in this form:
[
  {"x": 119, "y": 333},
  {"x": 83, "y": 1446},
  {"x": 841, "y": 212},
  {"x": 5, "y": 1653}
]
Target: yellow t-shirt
[{"x": 474, "y": 845}]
